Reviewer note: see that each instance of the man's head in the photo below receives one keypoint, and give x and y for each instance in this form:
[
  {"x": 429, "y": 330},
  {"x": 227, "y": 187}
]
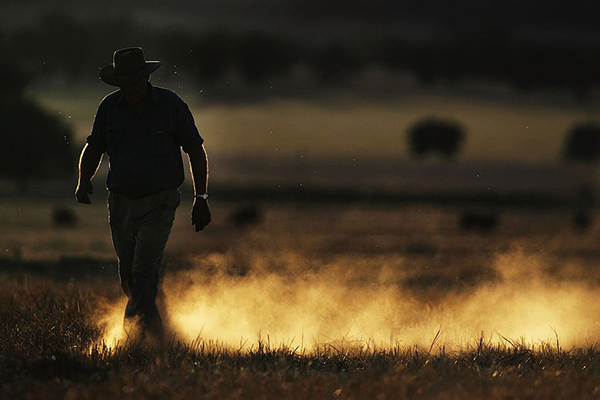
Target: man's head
[
  {"x": 137, "y": 92},
  {"x": 128, "y": 68}
]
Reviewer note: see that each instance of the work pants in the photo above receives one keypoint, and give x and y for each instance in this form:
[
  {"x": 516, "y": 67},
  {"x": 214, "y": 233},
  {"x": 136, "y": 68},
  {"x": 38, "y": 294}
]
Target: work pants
[{"x": 140, "y": 228}]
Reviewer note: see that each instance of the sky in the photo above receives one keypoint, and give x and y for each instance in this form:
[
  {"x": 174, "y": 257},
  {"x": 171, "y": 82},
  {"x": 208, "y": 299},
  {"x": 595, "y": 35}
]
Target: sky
[{"x": 549, "y": 17}]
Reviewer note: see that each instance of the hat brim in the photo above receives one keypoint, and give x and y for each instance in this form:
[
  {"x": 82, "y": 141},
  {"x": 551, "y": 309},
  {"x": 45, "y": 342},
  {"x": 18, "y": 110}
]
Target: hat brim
[{"x": 108, "y": 75}]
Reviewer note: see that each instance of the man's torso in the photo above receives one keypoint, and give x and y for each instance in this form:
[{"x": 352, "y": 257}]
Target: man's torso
[{"x": 143, "y": 144}]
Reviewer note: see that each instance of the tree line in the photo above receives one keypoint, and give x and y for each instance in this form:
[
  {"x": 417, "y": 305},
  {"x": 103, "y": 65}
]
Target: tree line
[{"x": 63, "y": 45}]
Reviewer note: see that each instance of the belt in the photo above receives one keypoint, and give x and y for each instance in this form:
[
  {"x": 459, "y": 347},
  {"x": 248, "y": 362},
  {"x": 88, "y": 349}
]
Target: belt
[{"x": 141, "y": 195}]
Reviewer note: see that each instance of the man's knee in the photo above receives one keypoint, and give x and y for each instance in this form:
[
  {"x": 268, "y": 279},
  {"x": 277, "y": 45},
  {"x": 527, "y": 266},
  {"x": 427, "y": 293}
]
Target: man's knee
[{"x": 148, "y": 278}]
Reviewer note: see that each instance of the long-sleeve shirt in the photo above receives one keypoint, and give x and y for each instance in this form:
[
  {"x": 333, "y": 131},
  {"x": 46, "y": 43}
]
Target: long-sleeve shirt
[{"x": 144, "y": 146}]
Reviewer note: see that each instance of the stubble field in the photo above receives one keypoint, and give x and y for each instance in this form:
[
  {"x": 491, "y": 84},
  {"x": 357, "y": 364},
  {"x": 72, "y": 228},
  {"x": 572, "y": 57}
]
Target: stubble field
[{"x": 336, "y": 301}]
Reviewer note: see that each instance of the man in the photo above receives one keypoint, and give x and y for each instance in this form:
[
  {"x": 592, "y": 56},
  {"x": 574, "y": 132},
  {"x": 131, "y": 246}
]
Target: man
[{"x": 142, "y": 128}]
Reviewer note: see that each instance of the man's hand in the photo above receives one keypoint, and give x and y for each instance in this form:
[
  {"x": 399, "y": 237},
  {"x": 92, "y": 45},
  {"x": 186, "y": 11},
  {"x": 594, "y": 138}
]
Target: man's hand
[
  {"x": 84, "y": 189},
  {"x": 200, "y": 213}
]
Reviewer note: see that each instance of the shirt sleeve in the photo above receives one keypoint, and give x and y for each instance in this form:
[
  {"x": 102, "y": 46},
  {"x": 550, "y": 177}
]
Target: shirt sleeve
[
  {"x": 97, "y": 139},
  {"x": 188, "y": 136}
]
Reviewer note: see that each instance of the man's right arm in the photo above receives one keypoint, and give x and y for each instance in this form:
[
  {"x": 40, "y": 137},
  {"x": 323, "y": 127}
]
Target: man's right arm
[{"x": 88, "y": 165}]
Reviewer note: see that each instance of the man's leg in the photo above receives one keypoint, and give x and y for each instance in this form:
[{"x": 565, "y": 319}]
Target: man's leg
[
  {"x": 151, "y": 236},
  {"x": 122, "y": 229}
]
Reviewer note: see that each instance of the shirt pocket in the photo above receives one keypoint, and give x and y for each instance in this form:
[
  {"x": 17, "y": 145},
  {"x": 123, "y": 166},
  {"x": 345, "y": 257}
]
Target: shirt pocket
[
  {"x": 160, "y": 139},
  {"x": 118, "y": 141}
]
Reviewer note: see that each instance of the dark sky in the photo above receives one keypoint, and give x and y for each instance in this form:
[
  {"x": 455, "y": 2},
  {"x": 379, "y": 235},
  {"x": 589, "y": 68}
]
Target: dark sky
[{"x": 579, "y": 16}]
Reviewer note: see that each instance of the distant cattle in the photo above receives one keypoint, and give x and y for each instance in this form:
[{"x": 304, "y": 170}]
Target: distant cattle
[
  {"x": 583, "y": 143},
  {"x": 434, "y": 136},
  {"x": 479, "y": 221},
  {"x": 64, "y": 217},
  {"x": 582, "y": 220},
  {"x": 585, "y": 203},
  {"x": 246, "y": 215}
]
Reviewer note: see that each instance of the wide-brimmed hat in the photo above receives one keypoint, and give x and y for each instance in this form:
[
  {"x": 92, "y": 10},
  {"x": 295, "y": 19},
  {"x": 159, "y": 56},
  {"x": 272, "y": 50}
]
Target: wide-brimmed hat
[{"x": 129, "y": 66}]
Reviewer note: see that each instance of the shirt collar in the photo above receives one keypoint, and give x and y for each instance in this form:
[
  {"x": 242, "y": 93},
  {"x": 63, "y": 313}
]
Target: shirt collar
[{"x": 153, "y": 95}]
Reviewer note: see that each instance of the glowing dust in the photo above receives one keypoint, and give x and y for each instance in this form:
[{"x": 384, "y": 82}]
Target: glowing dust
[{"x": 304, "y": 306}]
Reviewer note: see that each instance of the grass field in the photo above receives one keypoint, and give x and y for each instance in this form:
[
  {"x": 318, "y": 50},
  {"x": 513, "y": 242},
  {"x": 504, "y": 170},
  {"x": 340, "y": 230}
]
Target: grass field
[{"x": 351, "y": 301}]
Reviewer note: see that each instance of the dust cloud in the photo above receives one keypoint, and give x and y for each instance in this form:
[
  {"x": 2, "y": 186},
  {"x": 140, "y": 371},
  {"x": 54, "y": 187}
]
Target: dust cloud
[{"x": 290, "y": 300}]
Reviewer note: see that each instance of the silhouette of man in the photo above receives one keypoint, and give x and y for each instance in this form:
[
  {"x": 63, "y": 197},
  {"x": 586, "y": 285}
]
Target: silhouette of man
[{"x": 142, "y": 128}]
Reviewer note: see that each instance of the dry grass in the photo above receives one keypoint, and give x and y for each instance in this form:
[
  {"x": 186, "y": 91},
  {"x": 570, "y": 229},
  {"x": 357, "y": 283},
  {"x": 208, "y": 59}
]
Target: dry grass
[
  {"x": 47, "y": 330},
  {"x": 52, "y": 299}
]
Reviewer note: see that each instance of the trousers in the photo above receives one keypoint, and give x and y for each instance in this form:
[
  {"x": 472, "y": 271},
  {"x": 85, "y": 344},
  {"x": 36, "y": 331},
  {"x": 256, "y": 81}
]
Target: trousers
[{"x": 140, "y": 228}]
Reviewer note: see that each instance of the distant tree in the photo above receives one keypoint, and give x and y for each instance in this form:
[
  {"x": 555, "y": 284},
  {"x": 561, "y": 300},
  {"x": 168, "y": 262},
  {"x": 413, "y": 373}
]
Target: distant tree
[
  {"x": 35, "y": 144},
  {"x": 442, "y": 137},
  {"x": 583, "y": 143}
]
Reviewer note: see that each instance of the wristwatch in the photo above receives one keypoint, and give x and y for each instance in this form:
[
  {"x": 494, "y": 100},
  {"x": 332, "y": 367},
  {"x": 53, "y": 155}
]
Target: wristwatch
[{"x": 202, "y": 196}]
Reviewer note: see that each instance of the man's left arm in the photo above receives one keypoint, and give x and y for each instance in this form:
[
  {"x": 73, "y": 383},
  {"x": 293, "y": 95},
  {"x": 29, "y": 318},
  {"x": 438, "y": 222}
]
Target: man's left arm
[{"x": 199, "y": 171}]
